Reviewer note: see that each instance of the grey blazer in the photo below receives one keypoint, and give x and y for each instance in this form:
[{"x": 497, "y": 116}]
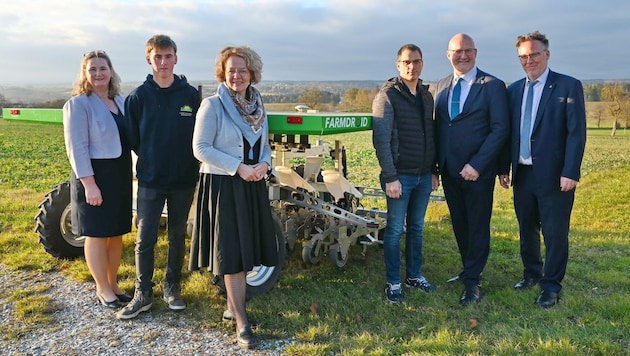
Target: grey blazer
[
  {"x": 90, "y": 131},
  {"x": 218, "y": 142}
]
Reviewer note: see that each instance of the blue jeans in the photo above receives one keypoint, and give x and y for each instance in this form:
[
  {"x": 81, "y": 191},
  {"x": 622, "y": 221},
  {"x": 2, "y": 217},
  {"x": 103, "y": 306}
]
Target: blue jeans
[
  {"x": 412, "y": 205},
  {"x": 150, "y": 202}
]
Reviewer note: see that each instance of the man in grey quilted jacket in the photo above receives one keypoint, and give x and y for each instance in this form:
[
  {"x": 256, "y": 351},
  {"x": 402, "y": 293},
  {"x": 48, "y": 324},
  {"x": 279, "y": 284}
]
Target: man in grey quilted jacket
[{"x": 404, "y": 140}]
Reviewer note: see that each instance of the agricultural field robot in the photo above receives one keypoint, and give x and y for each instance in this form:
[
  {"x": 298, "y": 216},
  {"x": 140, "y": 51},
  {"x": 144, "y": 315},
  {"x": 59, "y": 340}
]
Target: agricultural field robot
[{"x": 314, "y": 208}]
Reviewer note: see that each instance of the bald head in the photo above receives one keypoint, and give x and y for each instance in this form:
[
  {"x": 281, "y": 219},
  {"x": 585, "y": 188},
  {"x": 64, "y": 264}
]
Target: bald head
[
  {"x": 460, "y": 38},
  {"x": 461, "y": 53}
]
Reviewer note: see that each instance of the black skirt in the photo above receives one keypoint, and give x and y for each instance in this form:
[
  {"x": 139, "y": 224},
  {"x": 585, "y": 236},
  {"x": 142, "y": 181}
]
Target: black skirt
[
  {"x": 113, "y": 217},
  {"x": 233, "y": 226}
]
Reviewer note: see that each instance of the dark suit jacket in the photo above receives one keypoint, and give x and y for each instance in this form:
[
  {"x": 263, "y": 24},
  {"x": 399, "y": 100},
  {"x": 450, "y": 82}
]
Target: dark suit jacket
[
  {"x": 479, "y": 133},
  {"x": 559, "y": 133}
]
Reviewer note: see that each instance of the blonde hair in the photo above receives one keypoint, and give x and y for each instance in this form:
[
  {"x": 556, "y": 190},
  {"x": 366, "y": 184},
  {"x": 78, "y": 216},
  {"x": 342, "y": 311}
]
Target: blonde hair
[
  {"x": 252, "y": 61},
  {"x": 83, "y": 86},
  {"x": 534, "y": 36}
]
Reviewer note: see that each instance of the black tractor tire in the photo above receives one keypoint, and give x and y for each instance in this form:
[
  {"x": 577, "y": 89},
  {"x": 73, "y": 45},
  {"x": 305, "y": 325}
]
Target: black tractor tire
[
  {"x": 262, "y": 279},
  {"x": 54, "y": 225}
]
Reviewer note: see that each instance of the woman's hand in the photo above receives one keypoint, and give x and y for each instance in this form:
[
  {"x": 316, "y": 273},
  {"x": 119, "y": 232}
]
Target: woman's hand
[
  {"x": 92, "y": 191},
  {"x": 261, "y": 168},
  {"x": 252, "y": 173}
]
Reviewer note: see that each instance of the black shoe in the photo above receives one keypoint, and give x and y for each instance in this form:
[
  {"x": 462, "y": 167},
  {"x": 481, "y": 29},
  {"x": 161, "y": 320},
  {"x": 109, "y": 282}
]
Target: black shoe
[
  {"x": 471, "y": 294},
  {"x": 245, "y": 338},
  {"x": 124, "y": 298},
  {"x": 114, "y": 304},
  {"x": 229, "y": 317},
  {"x": 526, "y": 283},
  {"x": 547, "y": 299}
]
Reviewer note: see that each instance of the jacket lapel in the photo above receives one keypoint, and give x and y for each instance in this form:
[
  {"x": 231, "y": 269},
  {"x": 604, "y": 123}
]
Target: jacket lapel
[
  {"x": 550, "y": 84},
  {"x": 444, "y": 87},
  {"x": 475, "y": 89}
]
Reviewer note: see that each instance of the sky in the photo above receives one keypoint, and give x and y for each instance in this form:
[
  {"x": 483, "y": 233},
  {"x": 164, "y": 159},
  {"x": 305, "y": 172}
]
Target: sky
[{"x": 43, "y": 41}]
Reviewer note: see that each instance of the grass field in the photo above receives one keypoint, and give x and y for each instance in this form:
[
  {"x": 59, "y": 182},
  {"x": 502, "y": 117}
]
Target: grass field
[{"x": 351, "y": 316}]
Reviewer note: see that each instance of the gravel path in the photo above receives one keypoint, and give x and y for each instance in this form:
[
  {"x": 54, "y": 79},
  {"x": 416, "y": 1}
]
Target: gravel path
[{"x": 82, "y": 327}]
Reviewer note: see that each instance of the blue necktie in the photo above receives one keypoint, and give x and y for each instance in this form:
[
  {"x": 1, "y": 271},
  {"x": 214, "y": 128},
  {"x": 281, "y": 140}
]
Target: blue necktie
[
  {"x": 455, "y": 99},
  {"x": 527, "y": 121}
]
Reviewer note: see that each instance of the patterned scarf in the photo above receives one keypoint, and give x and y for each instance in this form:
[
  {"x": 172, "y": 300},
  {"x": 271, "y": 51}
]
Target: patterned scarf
[{"x": 252, "y": 111}]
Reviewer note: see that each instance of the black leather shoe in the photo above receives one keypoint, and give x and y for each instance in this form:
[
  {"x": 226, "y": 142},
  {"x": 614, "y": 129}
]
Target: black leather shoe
[
  {"x": 114, "y": 304},
  {"x": 526, "y": 283},
  {"x": 547, "y": 299},
  {"x": 229, "y": 317},
  {"x": 246, "y": 338},
  {"x": 471, "y": 294},
  {"x": 124, "y": 298}
]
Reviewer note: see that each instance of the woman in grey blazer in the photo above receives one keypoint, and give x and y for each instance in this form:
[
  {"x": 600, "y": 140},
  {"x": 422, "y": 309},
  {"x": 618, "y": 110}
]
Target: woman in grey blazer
[
  {"x": 100, "y": 185},
  {"x": 233, "y": 230}
]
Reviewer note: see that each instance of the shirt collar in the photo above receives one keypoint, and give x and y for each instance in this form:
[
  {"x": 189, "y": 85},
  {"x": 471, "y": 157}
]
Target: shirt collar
[
  {"x": 541, "y": 80},
  {"x": 467, "y": 77}
]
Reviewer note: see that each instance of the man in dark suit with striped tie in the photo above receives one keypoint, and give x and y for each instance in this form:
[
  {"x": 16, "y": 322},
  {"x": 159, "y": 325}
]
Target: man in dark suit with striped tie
[{"x": 547, "y": 146}]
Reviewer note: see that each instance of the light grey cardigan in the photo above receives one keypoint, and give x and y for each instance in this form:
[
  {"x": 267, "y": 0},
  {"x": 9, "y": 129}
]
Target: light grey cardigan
[
  {"x": 90, "y": 131},
  {"x": 218, "y": 141}
]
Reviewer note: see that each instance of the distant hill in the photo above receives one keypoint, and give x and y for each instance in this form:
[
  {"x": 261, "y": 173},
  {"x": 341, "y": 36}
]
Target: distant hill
[{"x": 29, "y": 94}]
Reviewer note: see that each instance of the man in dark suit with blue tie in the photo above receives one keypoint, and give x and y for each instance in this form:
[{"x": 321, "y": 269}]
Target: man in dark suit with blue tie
[
  {"x": 473, "y": 126},
  {"x": 547, "y": 146}
]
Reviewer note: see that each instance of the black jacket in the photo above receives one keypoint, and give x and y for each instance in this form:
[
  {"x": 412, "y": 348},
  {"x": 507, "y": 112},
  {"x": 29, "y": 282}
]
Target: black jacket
[{"x": 403, "y": 130}]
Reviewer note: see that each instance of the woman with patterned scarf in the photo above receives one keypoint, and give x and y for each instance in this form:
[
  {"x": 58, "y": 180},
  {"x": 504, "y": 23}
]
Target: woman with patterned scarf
[{"x": 233, "y": 230}]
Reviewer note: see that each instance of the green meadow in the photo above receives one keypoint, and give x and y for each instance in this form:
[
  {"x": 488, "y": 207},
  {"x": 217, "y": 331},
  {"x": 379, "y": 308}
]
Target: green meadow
[{"x": 328, "y": 310}]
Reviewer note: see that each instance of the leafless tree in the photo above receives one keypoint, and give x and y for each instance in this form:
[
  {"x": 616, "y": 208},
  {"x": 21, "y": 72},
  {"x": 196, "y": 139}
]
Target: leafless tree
[{"x": 618, "y": 99}]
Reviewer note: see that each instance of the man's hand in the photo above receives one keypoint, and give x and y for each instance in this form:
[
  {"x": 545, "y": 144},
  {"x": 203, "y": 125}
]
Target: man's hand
[
  {"x": 567, "y": 184},
  {"x": 469, "y": 173},
  {"x": 435, "y": 182},
  {"x": 504, "y": 180},
  {"x": 393, "y": 189}
]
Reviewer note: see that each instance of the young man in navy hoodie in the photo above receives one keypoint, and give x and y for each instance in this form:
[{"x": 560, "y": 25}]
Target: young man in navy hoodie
[{"x": 160, "y": 121}]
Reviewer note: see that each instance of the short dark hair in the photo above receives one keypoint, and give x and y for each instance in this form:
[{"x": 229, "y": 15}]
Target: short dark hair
[
  {"x": 411, "y": 47},
  {"x": 533, "y": 36}
]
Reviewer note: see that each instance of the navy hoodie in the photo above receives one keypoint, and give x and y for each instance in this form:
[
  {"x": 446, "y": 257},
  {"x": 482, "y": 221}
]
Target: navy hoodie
[{"x": 160, "y": 123}]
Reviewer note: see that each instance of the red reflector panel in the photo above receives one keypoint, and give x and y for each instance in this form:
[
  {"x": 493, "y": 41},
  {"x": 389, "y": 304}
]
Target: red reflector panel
[
  {"x": 294, "y": 119},
  {"x": 15, "y": 112}
]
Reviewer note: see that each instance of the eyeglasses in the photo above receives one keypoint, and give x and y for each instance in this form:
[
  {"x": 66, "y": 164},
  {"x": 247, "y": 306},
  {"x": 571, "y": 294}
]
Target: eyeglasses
[
  {"x": 94, "y": 53},
  {"x": 469, "y": 51},
  {"x": 407, "y": 62},
  {"x": 533, "y": 56}
]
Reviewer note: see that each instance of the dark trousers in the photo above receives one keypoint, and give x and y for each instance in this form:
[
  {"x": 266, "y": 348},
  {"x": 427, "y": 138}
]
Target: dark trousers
[
  {"x": 470, "y": 206},
  {"x": 551, "y": 212},
  {"x": 150, "y": 205}
]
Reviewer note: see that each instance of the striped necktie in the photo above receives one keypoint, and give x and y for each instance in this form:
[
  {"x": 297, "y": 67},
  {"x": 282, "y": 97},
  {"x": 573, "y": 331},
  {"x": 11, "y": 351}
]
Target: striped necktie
[{"x": 526, "y": 129}]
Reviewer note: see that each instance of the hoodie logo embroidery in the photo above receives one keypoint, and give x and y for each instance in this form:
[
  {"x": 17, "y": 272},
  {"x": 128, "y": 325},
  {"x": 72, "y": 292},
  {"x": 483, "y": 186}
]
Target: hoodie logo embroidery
[{"x": 185, "y": 111}]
